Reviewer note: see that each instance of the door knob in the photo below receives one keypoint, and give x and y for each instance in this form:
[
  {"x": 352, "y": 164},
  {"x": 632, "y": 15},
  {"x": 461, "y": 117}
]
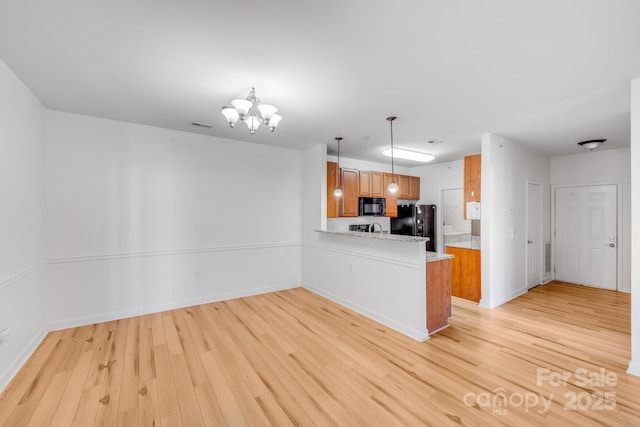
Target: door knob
[
  {"x": 529, "y": 241},
  {"x": 611, "y": 245}
]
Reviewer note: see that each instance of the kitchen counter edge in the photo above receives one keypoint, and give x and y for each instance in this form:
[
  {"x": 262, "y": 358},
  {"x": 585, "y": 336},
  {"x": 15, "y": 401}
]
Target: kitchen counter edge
[{"x": 378, "y": 236}]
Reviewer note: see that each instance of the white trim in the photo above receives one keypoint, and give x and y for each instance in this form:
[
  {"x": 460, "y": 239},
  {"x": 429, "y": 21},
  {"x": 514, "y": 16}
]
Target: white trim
[
  {"x": 619, "y": 227},
  {"x": 141, "y": 311},
  {"x": 493, "y": 304},
  {"x": 416, "y": 334},
  {"x": 539, "y": 213},
  {"x": 634, "y": 368},
  {"x": 19, "y": 362},
  {"x": 5, "y": 283},
  {"x": 126, "y": 255},
  {"x": 387, "y": 260}
]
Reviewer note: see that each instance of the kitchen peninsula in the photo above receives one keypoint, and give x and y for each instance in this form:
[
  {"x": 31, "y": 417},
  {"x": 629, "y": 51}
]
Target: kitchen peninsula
[{"x": 389, "y": 278}]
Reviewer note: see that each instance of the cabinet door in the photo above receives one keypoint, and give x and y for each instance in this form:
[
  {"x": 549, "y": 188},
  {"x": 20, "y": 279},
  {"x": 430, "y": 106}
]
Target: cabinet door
[
  {"x": 392, "y": 199},
  {"x": 333, "y": 203},
  {"x": 414, "y": 187},
  {"x": 456, "y": 270},
  {"x": 403, "y": 183},
  {"x": 350, "y": 192},
  {"x": 438, "y": 294},
  {"x": 365, "y": 184},
  {"x": 474, "y": 287},
  {"x": 376, "y": 184},
  {"x": 472, "y": 184}
]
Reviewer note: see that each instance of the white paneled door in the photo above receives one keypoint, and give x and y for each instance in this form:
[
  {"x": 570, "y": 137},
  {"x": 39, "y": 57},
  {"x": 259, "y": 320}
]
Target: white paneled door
[
  {"x": 586, "y": 235},
  {"x": 534, "y": 234}
]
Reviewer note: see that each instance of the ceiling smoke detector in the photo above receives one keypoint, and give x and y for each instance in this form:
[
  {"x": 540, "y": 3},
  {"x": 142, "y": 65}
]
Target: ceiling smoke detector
[{"x": 591, "y": 144}]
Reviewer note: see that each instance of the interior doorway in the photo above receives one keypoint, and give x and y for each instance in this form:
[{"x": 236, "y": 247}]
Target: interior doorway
[
  {"x": 586, "y": 235},
  {"x": 453, "y": 227}
]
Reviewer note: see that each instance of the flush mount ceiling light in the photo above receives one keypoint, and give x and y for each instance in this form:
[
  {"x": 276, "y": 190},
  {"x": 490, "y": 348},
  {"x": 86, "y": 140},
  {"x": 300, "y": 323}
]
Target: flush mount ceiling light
[
  {"x": 338, "y": 191},
  {"x": 591, "y": 144},
  {"x": 252, "y": 113},
  {"x": 402, "y": 153},
  {"x": 393, "y": 187}
]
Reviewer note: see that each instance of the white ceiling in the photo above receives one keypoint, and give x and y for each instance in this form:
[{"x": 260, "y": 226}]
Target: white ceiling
[{"x": 546, "y": 74}]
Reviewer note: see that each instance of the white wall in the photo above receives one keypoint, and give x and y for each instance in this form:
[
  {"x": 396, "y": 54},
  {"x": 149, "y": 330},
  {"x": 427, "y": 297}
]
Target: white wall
[
  {"x": 596, "y": 167},
  {"x": 142, "y": 219},
  {"x": 21, "y": 222},
  {"x": 634, "y": 365},
  {"x": 506, "y": 167}
]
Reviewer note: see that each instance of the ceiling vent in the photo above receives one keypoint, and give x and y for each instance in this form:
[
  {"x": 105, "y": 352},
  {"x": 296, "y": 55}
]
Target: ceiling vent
[{"x": 201, "y": 125}]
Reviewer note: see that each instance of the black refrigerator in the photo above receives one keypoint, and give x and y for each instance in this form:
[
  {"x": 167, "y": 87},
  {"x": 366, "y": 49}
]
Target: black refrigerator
[{"x": 416, "y": 220}]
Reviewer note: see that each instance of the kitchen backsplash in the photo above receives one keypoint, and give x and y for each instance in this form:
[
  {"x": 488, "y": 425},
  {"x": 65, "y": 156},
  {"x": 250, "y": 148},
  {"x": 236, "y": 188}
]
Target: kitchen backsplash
[{"x": 342, "y": 224}]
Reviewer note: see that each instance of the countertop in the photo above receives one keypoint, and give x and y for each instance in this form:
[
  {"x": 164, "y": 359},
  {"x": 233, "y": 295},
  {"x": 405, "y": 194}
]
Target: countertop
[
  {"x": 437, "y": 256},
  {"x": 470, "y": 244},
  {"x": 378, "y": 236}
]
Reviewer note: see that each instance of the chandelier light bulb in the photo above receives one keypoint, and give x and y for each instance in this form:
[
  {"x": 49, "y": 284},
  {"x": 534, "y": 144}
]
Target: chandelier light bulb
[
  {"x": 252, "y": 113},
  {"x": 393, "y": 187},
  {"x": 337, "y": 192}
]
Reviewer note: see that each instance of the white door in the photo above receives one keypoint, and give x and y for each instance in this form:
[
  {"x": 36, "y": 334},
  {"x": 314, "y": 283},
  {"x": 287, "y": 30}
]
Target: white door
[
  {"x": 586, "y": 235},
  {"x": 534, "y": 235}
]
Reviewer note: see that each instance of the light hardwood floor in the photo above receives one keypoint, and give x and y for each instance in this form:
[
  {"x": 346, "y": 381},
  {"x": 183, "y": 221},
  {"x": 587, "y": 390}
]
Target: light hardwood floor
[{"x": 294, "y": 358}]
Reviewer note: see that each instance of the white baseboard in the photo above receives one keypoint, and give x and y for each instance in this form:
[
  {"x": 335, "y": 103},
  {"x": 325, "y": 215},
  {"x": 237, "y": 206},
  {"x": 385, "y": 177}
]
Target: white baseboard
[
  {"x": 505, "y": 298},
  {"x": 416, "y": 334},
  {"x": 13, "y": 368},
  {"x": 634, "y": 368},
  {"x": 141, "y": 311}
]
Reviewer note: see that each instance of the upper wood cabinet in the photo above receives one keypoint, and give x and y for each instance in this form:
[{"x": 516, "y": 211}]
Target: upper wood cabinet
[
  {"x": 333, "y": 203},
  {"x": 392, "y": 199},
  {"x": 350, "y": 191},
  {"x": 472, "y": 174},
  {"x": 371, "y": 184},
  {"x": 403, "y": 186},
  {"x": 414, "y": 187}
]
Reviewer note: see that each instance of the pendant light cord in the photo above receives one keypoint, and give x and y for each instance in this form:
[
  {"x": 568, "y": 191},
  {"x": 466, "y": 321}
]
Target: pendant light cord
[{"x": 393, "y": 171}]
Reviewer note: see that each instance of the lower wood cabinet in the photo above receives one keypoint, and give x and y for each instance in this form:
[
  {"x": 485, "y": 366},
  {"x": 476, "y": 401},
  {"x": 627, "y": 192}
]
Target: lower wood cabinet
[
  {"x": 438, "y": 294},
  {"x": 465, "y": 273}
]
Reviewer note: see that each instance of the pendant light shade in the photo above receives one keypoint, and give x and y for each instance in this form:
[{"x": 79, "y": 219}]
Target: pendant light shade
[
  {"x": 393, "y": 187},
  {"x": 338, "y": 191}
]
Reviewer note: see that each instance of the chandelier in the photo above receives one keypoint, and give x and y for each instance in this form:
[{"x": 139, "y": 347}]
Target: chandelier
[{"x": 252, "y": 113}]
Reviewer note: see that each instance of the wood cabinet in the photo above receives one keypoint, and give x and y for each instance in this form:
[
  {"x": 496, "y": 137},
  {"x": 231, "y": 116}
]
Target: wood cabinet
[
  {"x": 350, "y": 183},
  {"x": 438, "y": 294},
  {"x": 472, "y": 174},
  {"x": 392, "y": 199},
  {"x": 465, "y": 273},
  {"x": 333, "y": 203},
  {"x": 371, "y": 184},
  {"x": 414, "y": 187},
  {"x": 403, "y": 186}
]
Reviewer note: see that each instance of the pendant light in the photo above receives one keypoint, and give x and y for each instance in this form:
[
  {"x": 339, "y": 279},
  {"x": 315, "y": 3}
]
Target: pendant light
[
  {"x": 393, "y": 187},
  {"x": 338, "y": 191}
]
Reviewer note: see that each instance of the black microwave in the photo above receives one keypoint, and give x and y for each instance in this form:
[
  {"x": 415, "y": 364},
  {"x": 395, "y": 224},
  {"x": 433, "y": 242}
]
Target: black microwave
[{"x": 372, "y": 206}]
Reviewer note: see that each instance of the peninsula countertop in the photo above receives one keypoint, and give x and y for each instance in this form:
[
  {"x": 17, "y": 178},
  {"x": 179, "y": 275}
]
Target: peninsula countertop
[
  {"x": 470, "y": 244},
  {"x": 378, "y": 236},
  {"x": 437, "y": 256}
]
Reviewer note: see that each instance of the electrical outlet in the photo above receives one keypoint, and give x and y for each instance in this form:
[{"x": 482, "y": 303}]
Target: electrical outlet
[{"x": 4, "y": 334}]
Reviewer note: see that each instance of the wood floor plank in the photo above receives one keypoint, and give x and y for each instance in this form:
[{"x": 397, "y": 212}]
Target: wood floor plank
[{"x": 295, "y": 358}]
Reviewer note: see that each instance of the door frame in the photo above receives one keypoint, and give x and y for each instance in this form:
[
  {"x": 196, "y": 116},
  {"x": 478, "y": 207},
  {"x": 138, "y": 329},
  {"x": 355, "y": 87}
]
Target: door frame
[
  {"x": 440, "y": 217},
  {"x": 540, "y": 225},
  {"x": 619, "y": 230}
]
